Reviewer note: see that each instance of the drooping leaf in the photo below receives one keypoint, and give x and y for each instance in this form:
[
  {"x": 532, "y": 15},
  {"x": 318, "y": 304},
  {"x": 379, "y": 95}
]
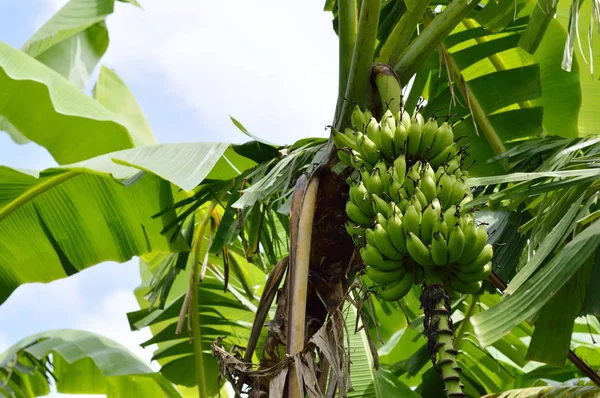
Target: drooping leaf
[
  {"x": 112, "y": 92},
  {"x": 68, "y": 123},
  {"x": 551, "y": 338},
  {"x": 83, "y": 363},
  {"x": 74, "y": 17},
  {"x": 499, "y": 320},
  {"x": 72, "y": 43},
  {"x": 72, "y": 217}
]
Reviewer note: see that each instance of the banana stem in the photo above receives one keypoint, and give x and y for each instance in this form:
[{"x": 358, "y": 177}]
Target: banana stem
[
  {"x": 347, "y": 19},
  {"x": 357, "y": 87},
  {"x": 438, "y": 329},
  {"x": 426, "y": 43},
  {"x": 193, "y": 310},
  {"x": 402, "y": 32},
  {"x": 299, "y": 282}
]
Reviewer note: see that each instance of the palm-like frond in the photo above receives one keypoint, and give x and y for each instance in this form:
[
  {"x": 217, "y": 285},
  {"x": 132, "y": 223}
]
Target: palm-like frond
[{"x": 560, "y": 192}]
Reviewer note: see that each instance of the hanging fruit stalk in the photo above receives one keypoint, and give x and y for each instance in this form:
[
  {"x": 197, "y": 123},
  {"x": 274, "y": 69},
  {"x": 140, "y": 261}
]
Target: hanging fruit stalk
[{"x": 406, "y": 213}]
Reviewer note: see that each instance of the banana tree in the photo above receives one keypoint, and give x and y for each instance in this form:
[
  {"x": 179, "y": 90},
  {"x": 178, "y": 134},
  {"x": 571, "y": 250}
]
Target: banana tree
[{"x": 252, "y": 274}]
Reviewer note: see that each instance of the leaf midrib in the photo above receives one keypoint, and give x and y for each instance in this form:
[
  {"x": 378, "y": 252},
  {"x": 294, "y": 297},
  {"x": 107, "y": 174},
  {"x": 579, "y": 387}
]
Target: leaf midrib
[{"x": 34, "y": 192}]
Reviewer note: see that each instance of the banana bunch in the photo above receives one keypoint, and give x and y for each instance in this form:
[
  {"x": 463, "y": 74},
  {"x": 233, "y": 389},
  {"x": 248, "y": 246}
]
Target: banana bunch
[
  {"x": 394, "y": 135},
  {"x": 405, "y": 207}
]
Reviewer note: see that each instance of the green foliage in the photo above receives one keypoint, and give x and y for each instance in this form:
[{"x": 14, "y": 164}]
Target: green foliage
[
  {"x": 120, "y": 205},
  {"x": 77, "y": 362},
  {"x": 118, "y": 194}
]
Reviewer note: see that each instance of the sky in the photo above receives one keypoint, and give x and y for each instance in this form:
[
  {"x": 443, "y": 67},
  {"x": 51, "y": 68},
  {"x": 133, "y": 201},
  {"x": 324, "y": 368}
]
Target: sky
[{"x": 191, "y": 64}]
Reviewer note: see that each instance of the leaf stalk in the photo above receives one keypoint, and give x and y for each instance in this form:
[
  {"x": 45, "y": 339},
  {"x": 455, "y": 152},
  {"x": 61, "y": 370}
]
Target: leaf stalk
[
  {"x": 426, "y": 43},
  {"x": 357, "y": 87},
  {"x": 193, "y": 310}
]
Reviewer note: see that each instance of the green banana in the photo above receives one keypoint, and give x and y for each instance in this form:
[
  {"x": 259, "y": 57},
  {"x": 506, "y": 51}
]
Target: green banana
[
  {"x": 437, "y": 206},
  {"x": 450, "y": 216},
  {"x": 405, "y": 118},
  {"x": 414, "y": 138},
  {"x": 371, "y": 256},
  {"x": 425, "y": 218},
  {"x": 417, "y": 250},
  {"x": 483, "y": 258},
  {"x": 342, "y": 141},
  {"x": 381, "y": 206},
  {"x": 384, "y": 243},
  {"x": 444, "y": 156},
  {"x": 360, "y": 196},
  {"x": 418, "y": 118},
  {"x": 395, "y": 290},
  {"x": 387, "y": 141},
  {"x": 470, "y": 277},
  {"x": 370, "y": 237},
  {"x": 421, "y": 197},
  {"x": 400, "y": 169},
  {"x": 367, "y": 148},
  {"x": 381, "y": 219},
  {"x": 375, "y": 184},
  {"x": 427, "y": 135},
  {"x": 465, "y": 288},
  {"x": 411, "y": 220},
  {"x": 358, "y": 118},
  {"x": 389, "y": 120},
  {"x": 458, "y": 192},
  {"x": 456, "y": 244},
  {"x": 438, "y": 173},
  {"x": 356, "y": 215},
  {"x": 470, "y": 231},
  {"x": 403, "y": 204},
  {"x": 409, "y": 185},
  {"x": 400, "y": 136},
  {"x": 443, "y": 138},
  {"x": 396, "y": 233},
  {"x": 427, "y": 223},
  {"x": 415, "y": 170},
  {"x": 357, "y": 162},
  {"x": 439, "y": 250},
  {"x": 384, "y": 176},
  {"x": 453, "y": 165},
  {"x": 463, "y": 221},
  {"x": 395, "y": 187},
  {"x": 429, "y": 171},
  {"x": 468, "y": 197},
  {"x": 379, "y": 276},
  {"x": 445, "y": 185},
  {"x": 374, "y": 131},
  {"x": 414, "y": 200},
  {"x": 471, "y": 252}
]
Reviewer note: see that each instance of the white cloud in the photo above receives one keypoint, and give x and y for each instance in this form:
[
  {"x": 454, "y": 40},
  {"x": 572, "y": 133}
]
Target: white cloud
[
  {"x": 40, "y": 302},
  {"x": 271, "y": 64}
]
